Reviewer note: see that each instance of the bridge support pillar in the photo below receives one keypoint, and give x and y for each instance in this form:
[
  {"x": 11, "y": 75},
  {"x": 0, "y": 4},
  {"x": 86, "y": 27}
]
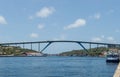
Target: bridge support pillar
[
  {"x": 38, "y": 47},
  {"x": 90, "y": 47},
  {"x": 97, "y": 48},
  {"x": 31, "y": 46},
  {"x": 46, "y": 46},
  {"x": 82, "y": 46},
  {"x": 23, "y": 46}
]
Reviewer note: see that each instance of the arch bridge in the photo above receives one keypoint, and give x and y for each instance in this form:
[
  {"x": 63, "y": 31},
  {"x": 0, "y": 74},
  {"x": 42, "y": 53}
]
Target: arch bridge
[{"x": 48, "y": 43}]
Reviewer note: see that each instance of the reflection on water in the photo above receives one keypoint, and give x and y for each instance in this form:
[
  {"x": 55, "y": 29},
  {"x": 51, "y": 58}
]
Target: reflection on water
[{"x": 55, "y": 67}]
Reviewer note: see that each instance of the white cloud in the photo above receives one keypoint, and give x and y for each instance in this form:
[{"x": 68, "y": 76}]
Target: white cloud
[
  {"x": 34, "y": 35},
  {"x": 40, "y": 26},
  {"x": 45, "y": 12},
  {"x": 96, "y": 16},
  {"x": 102, "y": 36},
  {"x": 2, "y": 20},
  {"x": 76, "y": 24},
  {"x": 110, "y": 38},
  {"x": 96, "y": 39},
  {"x": 104, "y": 39},
  {"x": 62, "y": 37}
]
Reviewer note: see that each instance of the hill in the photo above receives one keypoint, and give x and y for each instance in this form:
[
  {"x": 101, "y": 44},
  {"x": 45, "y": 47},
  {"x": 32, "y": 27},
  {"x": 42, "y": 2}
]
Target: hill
[
  {"x": 91, "y": 52},
  {"x": 15, "y": 51}
]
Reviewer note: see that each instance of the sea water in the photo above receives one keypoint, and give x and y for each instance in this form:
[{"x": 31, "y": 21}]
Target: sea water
[{"x": 56, "y": 67}]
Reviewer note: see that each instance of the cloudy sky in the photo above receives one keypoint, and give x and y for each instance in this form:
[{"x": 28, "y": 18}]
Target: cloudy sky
[{"x": 37, "y": 20}]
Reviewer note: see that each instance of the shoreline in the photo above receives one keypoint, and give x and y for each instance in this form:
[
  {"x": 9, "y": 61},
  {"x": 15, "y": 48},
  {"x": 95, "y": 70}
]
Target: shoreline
[{"x": 49, "y": 56}]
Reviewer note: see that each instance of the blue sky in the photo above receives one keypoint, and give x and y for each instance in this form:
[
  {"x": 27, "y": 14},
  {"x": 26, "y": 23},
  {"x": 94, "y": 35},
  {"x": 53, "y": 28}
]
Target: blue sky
[{"x": 37, "y": 20}]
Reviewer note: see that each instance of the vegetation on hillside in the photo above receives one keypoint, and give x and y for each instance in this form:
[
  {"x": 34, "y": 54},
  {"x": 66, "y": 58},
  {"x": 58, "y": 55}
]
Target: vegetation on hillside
[
  {"x": 18, "y": 51},
  {"x": 13, "y": 50},
  {"x": 91, "y": 52}
]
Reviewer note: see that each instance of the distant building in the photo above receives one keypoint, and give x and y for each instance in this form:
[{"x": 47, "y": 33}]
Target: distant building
[
  {"x": 33, "y": 54},
  {"x": 114, "y": 50},
  {"x": 113, "y": 46}
]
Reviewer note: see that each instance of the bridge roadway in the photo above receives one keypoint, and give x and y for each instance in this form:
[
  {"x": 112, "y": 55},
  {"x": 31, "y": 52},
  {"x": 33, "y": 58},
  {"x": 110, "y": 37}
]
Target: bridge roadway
[{"x": 58, "y": 41}]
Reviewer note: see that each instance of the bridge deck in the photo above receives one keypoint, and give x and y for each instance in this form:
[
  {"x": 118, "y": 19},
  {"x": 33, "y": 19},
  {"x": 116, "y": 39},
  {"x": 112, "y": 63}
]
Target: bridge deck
[{"x": 58, "y": 42}]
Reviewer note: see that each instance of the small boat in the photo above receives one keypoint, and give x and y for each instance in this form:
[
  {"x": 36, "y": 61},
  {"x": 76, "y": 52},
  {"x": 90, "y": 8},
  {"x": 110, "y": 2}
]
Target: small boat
[{"x": 112, "y": 57}]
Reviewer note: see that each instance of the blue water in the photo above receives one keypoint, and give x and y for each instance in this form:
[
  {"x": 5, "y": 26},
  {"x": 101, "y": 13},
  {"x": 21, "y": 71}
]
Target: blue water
[{"x": 55, "y": 67}]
